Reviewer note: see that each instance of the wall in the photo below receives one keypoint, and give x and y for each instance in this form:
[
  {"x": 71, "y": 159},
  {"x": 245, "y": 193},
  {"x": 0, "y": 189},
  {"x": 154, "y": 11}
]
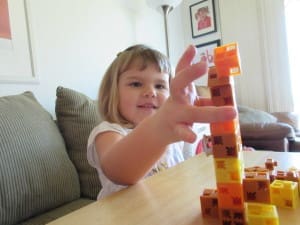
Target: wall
[
  {"x": 258, "y": 27},
  {"x": 74, "y": 41}
]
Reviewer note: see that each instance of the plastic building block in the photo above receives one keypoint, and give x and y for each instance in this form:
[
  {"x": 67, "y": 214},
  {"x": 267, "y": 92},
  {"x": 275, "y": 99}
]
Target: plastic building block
[
  {"x": 271, "y": 164},
  {"x": 227, "y": 60},
  {"x": 230, "y": 195},
  {"x": 261, "y": 214},
  {"x": 228, "y": 170},
  {"x": 222, "y": 95},
  {"x": 209, "y": 203},
  {"x": 256, "y": 187},
  {"x": 227, "y": 127},
  {"x": 226, "y": 145},
  {"x": 232, "y": 216},
  {"x": 284, "y": 193},
  {"x": 215, "y": 81}
]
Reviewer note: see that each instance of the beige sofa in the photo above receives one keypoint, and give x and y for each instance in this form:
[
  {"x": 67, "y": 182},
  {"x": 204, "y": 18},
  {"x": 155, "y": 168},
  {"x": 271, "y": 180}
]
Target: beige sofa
[
  {"x": 44, "y": 173},
  {"x": 269, "y": 131}
]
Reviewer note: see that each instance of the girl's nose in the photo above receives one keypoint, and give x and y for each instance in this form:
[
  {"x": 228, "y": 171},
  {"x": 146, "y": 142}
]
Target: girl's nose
[{"x": 149, "y": 92}]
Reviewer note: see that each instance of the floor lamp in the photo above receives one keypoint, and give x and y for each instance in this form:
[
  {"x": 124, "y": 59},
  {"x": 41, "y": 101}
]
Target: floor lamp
[{"x": 164, "y": 6}]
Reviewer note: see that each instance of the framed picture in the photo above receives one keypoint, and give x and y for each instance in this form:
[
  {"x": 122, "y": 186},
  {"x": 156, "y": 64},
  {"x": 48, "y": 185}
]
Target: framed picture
[
  {"x": 203, "y": 18},
  {"x": 206, "y": 52},
  {"x": 16, "y": 56}
]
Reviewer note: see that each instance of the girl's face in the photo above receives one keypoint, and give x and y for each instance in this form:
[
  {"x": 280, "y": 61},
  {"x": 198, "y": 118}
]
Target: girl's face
[{"x": 142, "y": 92}]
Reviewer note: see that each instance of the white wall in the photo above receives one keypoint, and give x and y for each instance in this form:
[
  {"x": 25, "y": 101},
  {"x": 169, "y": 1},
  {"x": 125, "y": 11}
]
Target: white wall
[
  {"x": 75, "y": 40},
  {"x": 258, "y": 27}
]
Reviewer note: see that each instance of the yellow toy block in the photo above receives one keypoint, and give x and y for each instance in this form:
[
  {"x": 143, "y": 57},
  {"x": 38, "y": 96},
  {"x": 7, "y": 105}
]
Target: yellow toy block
[
  {"x": 227, "y": 60},
  {"x": 284, "y": 193},
  {"x": 261, "y": 214},
  {"x": 228, "y": 170}
]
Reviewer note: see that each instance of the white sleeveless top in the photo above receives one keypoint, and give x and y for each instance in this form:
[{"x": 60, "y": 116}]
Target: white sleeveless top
[{"x": 172, "y": 156}]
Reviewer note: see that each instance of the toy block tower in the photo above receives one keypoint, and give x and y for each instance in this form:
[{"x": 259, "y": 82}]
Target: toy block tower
[
  {"x": 242, "y": 196},
  {"x": 226, "y": 138}
]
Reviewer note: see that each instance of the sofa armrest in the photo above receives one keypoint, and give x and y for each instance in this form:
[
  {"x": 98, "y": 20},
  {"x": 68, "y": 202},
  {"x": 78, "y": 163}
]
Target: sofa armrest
[
  {"x": 267, "y": 131},
  {"x": 290, "y": 118}
]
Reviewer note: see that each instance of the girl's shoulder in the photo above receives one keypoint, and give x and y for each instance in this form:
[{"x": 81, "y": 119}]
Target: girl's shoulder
[{"x": 107, "y": 126}]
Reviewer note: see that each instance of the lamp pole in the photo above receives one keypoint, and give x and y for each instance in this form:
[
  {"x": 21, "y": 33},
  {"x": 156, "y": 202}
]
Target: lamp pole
[{"x": 166, "y": 10}]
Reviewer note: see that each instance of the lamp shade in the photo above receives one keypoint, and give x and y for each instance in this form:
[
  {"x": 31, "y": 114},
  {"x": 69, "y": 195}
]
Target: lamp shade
[{"x": 157, "y": 4}]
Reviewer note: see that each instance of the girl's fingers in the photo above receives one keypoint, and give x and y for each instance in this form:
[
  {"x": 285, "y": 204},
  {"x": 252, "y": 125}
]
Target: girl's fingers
[
  {"x": 209, "y": 114},
  {"x": 200, "y": 101},
  {"x": 185, "y": 77},
  {"x": 186, "y": 58},
  {"x": 185, "y": 133}
]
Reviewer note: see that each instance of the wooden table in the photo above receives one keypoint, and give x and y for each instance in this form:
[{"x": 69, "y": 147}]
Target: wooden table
[{"x": 172, "y": 196}]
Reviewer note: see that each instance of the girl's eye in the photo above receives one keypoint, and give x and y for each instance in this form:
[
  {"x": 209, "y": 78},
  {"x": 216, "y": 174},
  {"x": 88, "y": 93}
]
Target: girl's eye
[
  {"x": 160, "y": 86},
  {"x": 135, "y": 84}
]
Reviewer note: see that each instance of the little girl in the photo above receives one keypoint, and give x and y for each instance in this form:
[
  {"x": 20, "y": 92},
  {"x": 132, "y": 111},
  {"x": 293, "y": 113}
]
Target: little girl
[{"x": 147, "y": 116}]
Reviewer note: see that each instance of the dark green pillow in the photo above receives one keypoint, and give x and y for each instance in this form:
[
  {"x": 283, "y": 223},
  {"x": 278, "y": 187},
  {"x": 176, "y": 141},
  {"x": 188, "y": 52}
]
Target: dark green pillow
[
  {"x": 36, "y": 173},
  {"x": 77, "y": 115}
]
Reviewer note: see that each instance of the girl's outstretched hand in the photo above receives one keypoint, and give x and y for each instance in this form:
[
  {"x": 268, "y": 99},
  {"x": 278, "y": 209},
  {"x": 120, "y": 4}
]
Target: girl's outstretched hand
[{"x": 184, "y": 107}]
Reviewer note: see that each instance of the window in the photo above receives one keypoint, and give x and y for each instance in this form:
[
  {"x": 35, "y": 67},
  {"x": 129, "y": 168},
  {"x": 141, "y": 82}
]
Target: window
[{"x": 292, "y": 9}]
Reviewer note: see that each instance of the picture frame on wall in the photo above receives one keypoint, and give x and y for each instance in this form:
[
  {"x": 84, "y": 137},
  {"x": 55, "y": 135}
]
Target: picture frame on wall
[
  {"x": 206, "y": 52},
  {"x": 203, "y": 18},
  {"x": 16, "y": 52}
]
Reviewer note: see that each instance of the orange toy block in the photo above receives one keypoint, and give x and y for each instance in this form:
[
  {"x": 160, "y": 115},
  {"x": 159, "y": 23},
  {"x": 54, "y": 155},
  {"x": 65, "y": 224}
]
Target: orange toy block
[
  {"x": 223, "y": 95},
  {"x": 256, "y": 186},
  {"x": 227, "y": 127},
  {"x": 230, "y": 196},
  {"x": 209, "y": 203},
  {"x": 214, "y": 80},
  {"x": 228, "y": 170},
  {"x": 227, "y": 145},
  {"x": 227, "y": 60},
  {"x": 232, "y": 216}
]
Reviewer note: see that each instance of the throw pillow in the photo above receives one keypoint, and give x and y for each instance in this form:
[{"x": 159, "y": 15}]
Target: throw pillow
[
  {"x": 77, "y": 115},
  {"x": 250, "y": 115},
  {"x": 35, "y": 170}
]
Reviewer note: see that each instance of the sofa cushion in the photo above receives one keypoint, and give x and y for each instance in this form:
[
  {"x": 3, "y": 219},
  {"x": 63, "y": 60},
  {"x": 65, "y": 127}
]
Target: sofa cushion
[
  {"x": 57, "y": 212},
  {"x": 250, "y": 115},
  {"x": 77, "y": 115},
  {"x": 36, "y": 173}
]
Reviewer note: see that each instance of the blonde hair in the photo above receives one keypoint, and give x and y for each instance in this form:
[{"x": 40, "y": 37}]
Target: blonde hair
[{"x": 108, "y": 98}]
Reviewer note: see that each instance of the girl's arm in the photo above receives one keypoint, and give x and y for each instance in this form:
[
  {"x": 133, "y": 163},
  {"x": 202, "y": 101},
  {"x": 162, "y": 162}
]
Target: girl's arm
[{"x": 125, "y": 160}]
